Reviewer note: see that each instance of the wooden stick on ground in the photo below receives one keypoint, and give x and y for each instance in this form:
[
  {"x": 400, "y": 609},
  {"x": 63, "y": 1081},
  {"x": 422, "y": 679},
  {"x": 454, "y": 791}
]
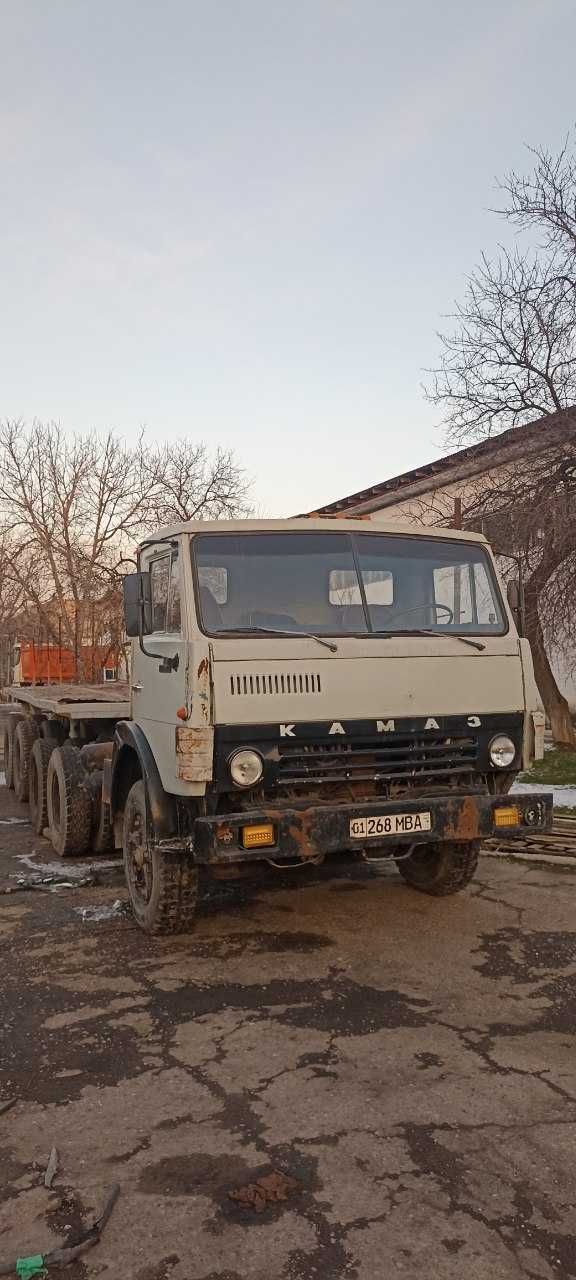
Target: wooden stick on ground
[{"x": 62, "y": 1257}]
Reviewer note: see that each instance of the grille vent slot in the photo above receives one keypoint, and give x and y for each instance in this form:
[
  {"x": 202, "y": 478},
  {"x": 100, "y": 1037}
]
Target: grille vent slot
[
  {"x": 275, "y": 684},
  {"x": 390, "y": 758}
]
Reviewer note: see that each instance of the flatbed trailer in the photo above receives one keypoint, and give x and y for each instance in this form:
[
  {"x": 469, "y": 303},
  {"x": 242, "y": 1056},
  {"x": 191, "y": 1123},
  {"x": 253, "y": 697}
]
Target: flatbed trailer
[
  {"x": 58, "y": 739},
  {"x": 73, "y": 702}
]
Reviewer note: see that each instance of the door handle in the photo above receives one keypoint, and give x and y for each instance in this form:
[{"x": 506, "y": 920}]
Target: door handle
[{"x": 137, "y": 688}]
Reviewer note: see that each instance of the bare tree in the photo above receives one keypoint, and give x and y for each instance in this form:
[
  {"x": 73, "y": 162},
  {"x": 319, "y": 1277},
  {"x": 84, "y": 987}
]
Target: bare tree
[
  {"x": 545, "y": 200},
  {"x": 528, "y": 512},
  {"x": 511, "y": 356},
  {"x": 511, "y": 359},
  {"x": 71, "y": 506},
  {"x": 192, "y": 485}
]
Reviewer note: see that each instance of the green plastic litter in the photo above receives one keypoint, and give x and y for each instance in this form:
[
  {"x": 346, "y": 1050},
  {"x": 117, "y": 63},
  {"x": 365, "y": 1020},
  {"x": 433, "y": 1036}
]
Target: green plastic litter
[{"x": 26, "y": 1268}]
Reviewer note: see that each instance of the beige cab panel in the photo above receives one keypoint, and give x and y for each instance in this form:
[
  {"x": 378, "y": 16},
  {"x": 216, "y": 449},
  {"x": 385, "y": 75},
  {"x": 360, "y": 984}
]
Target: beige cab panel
[{"x": 326, "y": 689}]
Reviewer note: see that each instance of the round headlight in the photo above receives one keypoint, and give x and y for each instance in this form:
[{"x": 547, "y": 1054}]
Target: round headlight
[
  {"x": 502, "y": 751},
  {"x": 246, "y": 768}
]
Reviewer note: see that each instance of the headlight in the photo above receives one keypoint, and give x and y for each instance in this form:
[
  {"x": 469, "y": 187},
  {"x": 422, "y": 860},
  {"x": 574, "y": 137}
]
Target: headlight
[
  {"x": 502, "y": 751},
  {"x": 246, "y": 768}
]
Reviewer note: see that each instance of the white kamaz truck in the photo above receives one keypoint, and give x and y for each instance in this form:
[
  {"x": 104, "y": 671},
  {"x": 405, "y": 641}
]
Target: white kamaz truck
[{"x": 300, "y": 689}]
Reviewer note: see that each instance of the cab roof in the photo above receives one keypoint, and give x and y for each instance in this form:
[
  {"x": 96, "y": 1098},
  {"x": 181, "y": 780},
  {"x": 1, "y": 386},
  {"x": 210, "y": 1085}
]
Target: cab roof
[{"x": 310, "y": 524}]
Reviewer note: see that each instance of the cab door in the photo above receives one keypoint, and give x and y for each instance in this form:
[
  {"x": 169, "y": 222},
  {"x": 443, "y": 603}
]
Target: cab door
[{"x": 159, "y": 675}]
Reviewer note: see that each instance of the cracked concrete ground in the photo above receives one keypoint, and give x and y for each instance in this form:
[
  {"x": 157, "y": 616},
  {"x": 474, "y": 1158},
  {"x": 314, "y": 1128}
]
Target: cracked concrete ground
[{"x": 409, "y": 1062}]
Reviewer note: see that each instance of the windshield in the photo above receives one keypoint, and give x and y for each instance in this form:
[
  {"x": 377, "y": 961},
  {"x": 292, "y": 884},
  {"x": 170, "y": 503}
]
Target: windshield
[{"x": 341, "y": 584}]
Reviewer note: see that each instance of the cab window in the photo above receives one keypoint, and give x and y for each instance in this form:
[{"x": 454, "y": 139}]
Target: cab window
[{"x": 165, "y": 589}]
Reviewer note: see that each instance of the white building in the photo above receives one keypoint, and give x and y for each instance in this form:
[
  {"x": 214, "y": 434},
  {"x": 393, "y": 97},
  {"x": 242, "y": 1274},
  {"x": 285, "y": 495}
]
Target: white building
[{"x": 442, "y": 492}]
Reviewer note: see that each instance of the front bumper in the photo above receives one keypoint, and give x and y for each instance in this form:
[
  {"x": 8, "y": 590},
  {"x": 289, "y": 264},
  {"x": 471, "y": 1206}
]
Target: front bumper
[{"x": 307, "y": 833}]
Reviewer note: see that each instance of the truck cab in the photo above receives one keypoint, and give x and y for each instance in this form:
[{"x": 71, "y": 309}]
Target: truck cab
[{"x": 312, "y": 687}]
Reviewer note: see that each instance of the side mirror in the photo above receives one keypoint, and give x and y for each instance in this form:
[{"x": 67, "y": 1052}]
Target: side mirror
[
  {"x": 514, "y": 595},
  {"x": 137, "y": 604}
]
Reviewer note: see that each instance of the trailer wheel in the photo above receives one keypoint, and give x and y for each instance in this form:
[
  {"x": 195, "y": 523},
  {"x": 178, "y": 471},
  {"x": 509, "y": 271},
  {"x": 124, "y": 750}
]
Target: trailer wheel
[
  {"x": 102, "y": 827},
  {"x": 68, "y": 802},
  {"x": 8, "y": 758},
  {"x": 9, "y": 731},
  {"x": 103, "y": 839},
  {"x": 441, "y": 869},
  {"x": 163, "y": 885},
  {"x": 24, "y": 738},
  {"x": 38, "y": 784}
]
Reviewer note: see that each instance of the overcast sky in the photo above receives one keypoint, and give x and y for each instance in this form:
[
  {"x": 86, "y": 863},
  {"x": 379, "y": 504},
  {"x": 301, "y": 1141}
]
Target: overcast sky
[{"x": 243, "y": 220}]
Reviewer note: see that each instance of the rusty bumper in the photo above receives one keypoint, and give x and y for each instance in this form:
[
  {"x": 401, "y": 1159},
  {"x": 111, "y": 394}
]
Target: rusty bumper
[{"x": 307, "y": 833}]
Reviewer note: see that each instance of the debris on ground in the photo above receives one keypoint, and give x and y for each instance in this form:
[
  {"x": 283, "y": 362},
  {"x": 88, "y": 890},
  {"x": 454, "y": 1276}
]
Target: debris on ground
[
  {"x": 271, "y": 1188},
  {"x": 27, "y": 1268},
  {"x": 27, "y": 884},
  {"x": 35, "y": 1264},
  {"x": 103, "y": 911},
  {"x": 7, "y": 1105},
  {"x": 66, "y": 870},
  {"x": 14, "y": 822},
  {"x": 51, "y": 1168}
]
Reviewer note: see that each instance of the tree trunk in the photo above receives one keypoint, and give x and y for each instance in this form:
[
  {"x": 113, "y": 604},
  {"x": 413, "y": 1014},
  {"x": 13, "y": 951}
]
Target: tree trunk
[{"x": 555, "y": 703}]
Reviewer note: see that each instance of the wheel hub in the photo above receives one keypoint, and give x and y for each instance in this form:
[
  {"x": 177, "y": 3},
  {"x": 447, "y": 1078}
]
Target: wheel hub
[{"x": 140, "y": 862}]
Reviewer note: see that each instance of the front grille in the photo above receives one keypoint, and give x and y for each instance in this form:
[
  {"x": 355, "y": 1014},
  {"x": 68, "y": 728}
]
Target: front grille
[{"x": 410, "y": 758}]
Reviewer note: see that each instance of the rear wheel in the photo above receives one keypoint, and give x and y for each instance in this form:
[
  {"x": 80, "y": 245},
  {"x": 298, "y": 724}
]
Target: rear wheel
[
  {"x": 11, "y": 725},
  {"x": 38, "y": 784},
  {"x": 7, "y": 753},
  {"x": 24, "y": 738},
  {"x": 68, "y": 802},
  {"x": 163, "y": 886},
  {"x": 441, "y": 869},
  {"x": 102, "y": 829}
]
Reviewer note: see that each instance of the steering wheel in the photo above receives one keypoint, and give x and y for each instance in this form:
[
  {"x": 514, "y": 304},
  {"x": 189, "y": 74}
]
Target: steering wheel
[{"x": 429, "y": 607}]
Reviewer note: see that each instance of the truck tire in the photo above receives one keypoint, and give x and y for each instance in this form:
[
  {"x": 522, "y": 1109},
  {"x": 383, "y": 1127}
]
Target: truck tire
[
  {"x": 103, "y": 838},
  {"x": 24, "y": 737},
  {"x": 163, "y": 885},
  {"x": 102, "y": 828},
  {"x": 11, "y": 725},
  {"x": 441, "y": 869},
  {"x": 8, "y": 758},
  {"x": 38, "y": 784},
  {"x": 68, "y": 802}
]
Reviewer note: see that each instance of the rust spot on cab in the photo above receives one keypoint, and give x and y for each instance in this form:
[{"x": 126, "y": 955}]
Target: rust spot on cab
[
  {"x": 224, "y": 834},
  {"x": 203, "y": 675},
  {"x": 301, "y": 832},
  {"x": 462, "y": 820},
  {"x": 194, "y": 752}
]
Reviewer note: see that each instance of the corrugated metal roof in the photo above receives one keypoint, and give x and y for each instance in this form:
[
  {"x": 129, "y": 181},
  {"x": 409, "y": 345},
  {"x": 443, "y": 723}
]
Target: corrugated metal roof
[{"x": 549, "y": 427}]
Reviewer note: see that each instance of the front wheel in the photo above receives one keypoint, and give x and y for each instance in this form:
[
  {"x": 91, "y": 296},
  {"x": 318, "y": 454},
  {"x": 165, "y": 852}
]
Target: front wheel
[
  {"x": 441, "y": 869},
  {"x": 163, "y": 885}
]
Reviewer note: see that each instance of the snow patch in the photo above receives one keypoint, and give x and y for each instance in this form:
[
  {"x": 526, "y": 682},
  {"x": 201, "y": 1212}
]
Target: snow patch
[
  {"x": 67, "y": 870},
  {"x": 564, "y": 797},
  {"x": 103, "y": 912}
]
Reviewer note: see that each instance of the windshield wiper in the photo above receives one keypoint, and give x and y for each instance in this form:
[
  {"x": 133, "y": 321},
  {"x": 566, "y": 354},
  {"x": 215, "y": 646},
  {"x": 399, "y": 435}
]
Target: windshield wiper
[
  {"x": 420, "y": 631},
  {"x": 272, "y": 631}
]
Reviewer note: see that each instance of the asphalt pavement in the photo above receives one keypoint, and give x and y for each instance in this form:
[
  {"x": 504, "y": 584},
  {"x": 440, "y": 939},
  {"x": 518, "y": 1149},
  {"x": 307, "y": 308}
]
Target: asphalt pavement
[{"x": 334, "y": 1076}]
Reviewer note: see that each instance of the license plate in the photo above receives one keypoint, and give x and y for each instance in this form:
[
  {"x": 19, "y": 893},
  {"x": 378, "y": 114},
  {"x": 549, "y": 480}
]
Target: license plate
[{"x": 390, "y": 824}]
